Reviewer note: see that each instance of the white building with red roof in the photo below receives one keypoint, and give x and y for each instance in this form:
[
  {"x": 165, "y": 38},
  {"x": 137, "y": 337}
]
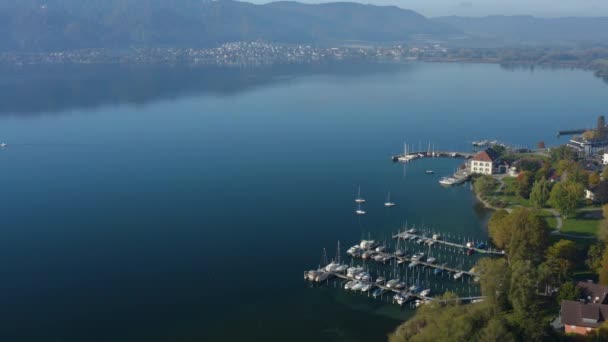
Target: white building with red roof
[{"x": 485, "y": 162}]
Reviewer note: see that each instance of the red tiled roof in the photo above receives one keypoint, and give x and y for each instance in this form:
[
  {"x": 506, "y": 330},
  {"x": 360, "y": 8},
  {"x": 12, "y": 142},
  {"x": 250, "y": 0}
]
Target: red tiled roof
[
  {"x": 583, "y": 315},
  {"x": 488, "y": 155}
]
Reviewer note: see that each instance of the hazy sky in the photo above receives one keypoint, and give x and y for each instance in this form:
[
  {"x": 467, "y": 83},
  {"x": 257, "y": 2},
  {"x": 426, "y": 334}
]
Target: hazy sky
[{"x": 542, "y": 8}]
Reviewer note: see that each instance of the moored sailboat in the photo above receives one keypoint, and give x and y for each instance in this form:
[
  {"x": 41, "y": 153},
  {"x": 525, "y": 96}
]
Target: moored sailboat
[{"x": 388, "y": 202}]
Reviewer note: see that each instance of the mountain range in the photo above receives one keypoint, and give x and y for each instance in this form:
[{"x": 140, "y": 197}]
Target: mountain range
[
  {"x": 47, "y": 25},
  {"x": 528, "y": 30}
]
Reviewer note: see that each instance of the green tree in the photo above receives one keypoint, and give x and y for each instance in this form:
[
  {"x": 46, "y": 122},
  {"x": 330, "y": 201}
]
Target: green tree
[
  {"x": 565, "y": 197},
  {"x": 523, "y": 287},
  {"x": 522, "y": 233},
  {"x": 543, "y": 172},
  {"x": 572, "y": 171},
  {"x": 601, "y": 192},
  {"x": 525, "y": 180},
  {"x": 603, "y": 271},
  {"x": 600, "y": 334},
  {"x": 484, "y": 185},
  {"x": 540, "y": 193},
  {"x": 530, "y": 164},
  {"x": 594, "y": 178},
  {"x": 563, "y": 249},
  {"x": 562, "y": 152},
  {"x": 590, "y": 135},
  {"x": 553, "y": 272},
  {"x": 498, "y": 229},
  {"x": 568, "y": 291},
  {"x": 595, "y": 255},
  {"x": 497, "y": 329},
  {"x": 494, "y": 280},
  {"x": 451, "y": 321},
  {"x": 605, "y": 173},
  {"x": 499, "y": 149},
  {"x": 528, "y": 236}
]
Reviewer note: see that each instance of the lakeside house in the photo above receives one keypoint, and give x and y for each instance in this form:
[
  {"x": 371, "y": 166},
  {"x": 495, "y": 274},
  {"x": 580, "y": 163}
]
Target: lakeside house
[
  {"x": 487, "y": 162},
  {"x": 588, "y": 313}
]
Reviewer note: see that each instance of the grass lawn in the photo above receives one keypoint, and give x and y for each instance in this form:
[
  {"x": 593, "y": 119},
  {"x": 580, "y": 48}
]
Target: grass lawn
[
  {"x": 581, "y": 225},
  {"x": 512, "y": 200}
]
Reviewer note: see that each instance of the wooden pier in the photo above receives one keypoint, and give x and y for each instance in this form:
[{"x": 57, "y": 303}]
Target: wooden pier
[{"x": 405, "y": 235}]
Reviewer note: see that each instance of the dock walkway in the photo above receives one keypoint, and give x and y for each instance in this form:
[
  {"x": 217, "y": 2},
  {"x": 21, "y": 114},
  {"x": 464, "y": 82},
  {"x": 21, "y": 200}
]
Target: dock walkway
[
  {"x": 405, "y": 292},
  {"x": 405, "y": 235},
  {"x": 443, "y": 154}
]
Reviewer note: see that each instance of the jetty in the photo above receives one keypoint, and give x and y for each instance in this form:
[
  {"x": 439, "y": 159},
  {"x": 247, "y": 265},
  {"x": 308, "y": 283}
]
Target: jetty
[
  {"x": 409, "y": 156},
  {"x": 571, "y": 131},
  {"x": 405, "y": 235},
  {"x": 326, "y": 275}
]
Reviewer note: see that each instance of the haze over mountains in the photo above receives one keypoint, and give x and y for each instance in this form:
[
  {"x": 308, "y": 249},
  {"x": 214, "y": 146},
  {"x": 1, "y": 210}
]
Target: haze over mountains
[
  {"x": 47, "y": 25},
  {"x": 511, "y": 30}
]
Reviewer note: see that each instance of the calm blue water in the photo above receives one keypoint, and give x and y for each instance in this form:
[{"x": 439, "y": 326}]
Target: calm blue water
[{"x": 186, "y": 209}]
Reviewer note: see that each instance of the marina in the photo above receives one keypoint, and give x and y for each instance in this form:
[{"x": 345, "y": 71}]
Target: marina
[
  {"x": 410, "y": 156},
  {"x": 458, "y": 177},
  {"x": 404, "y": 265},
  {"x": 406, "y": 294}
]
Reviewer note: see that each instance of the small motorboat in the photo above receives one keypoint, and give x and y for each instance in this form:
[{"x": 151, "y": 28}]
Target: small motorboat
[
  {"x": 429, "y": 172},
  {"x": 400, "y": 285},
  {"x": 392, "y": 283},
  {"x": 425, "y": 292},
  {"x": 378, "y": 292},
  {"x": 2, "y": 145},
  {"x": 400, "y": 299},
  {"x": 367, "y": 287},
  {"x": 349, "y": 285},
  {"x": 357, "y": 287},
  {"x": 341, "y": 269}
]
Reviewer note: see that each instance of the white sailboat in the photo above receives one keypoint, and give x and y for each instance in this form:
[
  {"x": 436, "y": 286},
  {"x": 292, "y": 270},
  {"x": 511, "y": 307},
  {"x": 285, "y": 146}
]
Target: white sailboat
[
  {"x": 2, "y": 145},
  {"x": 360, "y": 211},
  {"x": 359, "y": 199},
  {"x": 388, "y": 202}
]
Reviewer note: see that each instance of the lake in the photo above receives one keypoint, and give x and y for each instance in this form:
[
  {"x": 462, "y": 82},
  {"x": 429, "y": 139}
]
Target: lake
[{"x": 174, "y": 204}]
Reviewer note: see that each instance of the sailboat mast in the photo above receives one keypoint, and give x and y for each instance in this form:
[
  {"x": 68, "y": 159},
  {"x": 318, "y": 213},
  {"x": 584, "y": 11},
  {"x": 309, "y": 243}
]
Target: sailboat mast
[{"x": 338, "y": 253}]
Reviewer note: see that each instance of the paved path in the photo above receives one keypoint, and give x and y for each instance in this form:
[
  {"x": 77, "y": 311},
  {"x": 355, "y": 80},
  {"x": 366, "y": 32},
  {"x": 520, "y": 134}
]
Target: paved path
[{"x": 560, "y": 222}]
